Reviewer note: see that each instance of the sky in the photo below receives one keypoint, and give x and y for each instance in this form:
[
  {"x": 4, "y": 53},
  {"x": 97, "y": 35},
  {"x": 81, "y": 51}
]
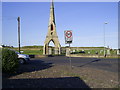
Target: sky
[
  {"x": 60, "y": 0},
  {"x": 85, "y": 19}
]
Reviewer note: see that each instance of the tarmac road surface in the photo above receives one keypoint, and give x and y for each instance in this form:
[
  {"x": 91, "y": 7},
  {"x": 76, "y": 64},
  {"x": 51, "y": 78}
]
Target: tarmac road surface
[{"x": 108, "y": 64}]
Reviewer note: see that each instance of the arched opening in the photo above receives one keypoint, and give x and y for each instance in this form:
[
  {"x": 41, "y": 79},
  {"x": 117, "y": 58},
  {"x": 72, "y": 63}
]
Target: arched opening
[
  {"x": 51, "y": 47},
  {"x": 51, "y": 27}
]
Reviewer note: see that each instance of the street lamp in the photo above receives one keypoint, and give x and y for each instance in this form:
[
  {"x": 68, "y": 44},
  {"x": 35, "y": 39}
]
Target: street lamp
[{"x": 104, "y": 39}]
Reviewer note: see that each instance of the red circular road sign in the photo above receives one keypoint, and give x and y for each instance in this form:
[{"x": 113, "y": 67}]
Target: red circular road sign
[{"x": 68, "y": 34}]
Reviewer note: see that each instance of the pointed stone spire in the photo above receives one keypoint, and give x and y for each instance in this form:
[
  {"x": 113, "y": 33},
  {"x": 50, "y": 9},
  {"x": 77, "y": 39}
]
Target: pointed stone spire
[
  {"x": 52, "y": 34},
  {"x": 52, "y": 16},
  {"x": 52, "y": 4}
]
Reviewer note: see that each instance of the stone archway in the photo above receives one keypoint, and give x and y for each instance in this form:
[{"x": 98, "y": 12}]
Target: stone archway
[
  {"x": 46, "y": 48},
  {"x": 51, "y": 47}
]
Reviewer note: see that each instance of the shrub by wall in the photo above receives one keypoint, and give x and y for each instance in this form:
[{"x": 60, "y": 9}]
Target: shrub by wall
[{"x": 9, "y": 60}]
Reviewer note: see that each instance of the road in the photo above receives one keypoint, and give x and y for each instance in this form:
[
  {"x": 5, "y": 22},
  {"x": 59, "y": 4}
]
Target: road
[{"x": 104, "y": 64}]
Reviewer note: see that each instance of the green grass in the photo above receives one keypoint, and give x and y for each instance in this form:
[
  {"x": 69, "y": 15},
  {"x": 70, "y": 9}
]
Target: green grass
[
  {"x": 32, "y": 47},
  {"x": 33, "y": 52},
  {"x": 38, "y": 50},
  {"x": 93, "y": 52}
]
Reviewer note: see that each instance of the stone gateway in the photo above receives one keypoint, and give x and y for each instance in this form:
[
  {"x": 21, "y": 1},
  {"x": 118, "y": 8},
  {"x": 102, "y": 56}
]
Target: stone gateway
[{"x": 51, "y": 35}]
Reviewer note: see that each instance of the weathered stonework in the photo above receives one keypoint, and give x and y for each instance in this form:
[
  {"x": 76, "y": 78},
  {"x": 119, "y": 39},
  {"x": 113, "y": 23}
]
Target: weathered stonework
[{"x": 52, "y": 34}]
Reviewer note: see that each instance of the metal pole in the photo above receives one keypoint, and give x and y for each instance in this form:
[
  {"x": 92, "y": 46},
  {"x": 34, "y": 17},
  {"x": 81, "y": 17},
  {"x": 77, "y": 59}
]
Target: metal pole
[
  {"x": 104, "y": 40},
  {"x": 70, "y": 57},
  {"x": 19, "y": 33}
]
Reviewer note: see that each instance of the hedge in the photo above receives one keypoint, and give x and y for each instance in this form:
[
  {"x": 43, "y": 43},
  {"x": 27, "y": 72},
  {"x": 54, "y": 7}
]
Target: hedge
[{"x": 9, "y": 60}]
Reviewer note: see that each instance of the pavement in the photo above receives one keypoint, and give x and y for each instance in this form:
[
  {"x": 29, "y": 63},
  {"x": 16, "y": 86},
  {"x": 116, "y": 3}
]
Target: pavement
[{"x": 108, "y": 64}]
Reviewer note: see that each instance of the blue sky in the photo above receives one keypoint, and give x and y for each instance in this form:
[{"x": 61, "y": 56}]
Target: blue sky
[{"x": 85, "y": 19}]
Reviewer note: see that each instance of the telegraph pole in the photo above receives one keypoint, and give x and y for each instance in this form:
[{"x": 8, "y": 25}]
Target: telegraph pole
[{"x": 19, "y": 33}]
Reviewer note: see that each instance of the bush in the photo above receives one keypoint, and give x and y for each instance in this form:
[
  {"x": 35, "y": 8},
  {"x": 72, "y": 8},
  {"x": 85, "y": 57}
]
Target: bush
[{"x": 9, "y": 61}]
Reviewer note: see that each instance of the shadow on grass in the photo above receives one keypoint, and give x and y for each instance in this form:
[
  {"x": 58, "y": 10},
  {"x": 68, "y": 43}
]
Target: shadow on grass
[
  {"x": 64, "y": 82},
  {"x": 90, "y": 62},
  {"x": 32, "y": 65}
]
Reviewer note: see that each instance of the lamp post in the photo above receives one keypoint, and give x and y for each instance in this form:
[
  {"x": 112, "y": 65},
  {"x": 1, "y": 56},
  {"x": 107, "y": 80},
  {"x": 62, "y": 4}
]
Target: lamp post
[{"x": 104, "y": 39}]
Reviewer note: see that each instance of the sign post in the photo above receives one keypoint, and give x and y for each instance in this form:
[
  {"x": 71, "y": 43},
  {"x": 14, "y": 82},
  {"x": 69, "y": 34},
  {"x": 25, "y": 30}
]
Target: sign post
[{"x": 68, "y": 40}]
